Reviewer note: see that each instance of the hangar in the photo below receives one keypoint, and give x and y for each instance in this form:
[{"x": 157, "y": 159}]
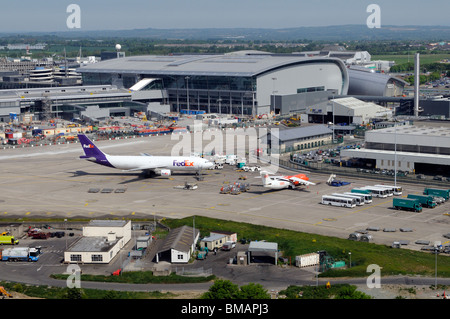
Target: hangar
[
  {"x": 243, "y": 82},
  {"x": 347, "y": 110}
]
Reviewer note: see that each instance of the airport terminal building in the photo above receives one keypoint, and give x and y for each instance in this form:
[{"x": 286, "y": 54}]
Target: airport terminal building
[{"x": 240, "y": 83}]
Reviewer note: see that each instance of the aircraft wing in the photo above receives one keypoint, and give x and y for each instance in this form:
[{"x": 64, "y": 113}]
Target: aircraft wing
[
  {"x": 142, "y": 168},
  {"x": 301, "y": 181}
]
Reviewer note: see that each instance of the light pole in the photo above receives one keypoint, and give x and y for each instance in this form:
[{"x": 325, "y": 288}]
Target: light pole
[
  {"x": 65, "y": 227},
  {"x": 187, "y": 92},
  {"x": 273, "y": 94},
  {"x": 350, "y": 262},
  {"x": 395, "y": 151}
]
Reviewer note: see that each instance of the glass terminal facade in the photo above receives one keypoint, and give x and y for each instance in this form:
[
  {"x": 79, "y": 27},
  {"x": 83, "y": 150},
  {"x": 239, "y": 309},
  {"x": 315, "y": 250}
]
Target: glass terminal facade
[{"x": 213, "y": 94}]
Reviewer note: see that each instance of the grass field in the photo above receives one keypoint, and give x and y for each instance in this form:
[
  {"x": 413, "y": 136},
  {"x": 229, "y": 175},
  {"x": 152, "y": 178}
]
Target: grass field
[
  {"x": 400, "y": 59},
  {"x": 292, "y": 243}
]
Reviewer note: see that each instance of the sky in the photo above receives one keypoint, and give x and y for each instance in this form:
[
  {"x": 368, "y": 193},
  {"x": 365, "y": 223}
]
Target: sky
[{"x": 52, "y": 15}]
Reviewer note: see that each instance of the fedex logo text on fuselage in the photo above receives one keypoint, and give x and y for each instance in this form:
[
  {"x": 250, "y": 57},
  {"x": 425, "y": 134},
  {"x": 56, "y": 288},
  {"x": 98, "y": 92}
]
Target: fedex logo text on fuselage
[{"x": 183, "y": 163}]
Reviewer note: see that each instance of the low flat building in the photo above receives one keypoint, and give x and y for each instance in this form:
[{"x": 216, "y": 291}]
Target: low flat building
[
  {"x": 214, "y": 241},
  {"x": 100, "y": 243},
  {"x": 299, "y": 138},
  {"x": 230, "y": 236},
  {"x": 418, "y": 149}
]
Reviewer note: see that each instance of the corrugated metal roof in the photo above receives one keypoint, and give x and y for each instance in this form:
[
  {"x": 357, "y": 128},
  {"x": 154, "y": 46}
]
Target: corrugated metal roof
[
  {"x": 262, "y": 246},
  {"x": 180, "y": 238},
  {"x": 301, "y": 132},
  {"x": 234, "y": 64}
]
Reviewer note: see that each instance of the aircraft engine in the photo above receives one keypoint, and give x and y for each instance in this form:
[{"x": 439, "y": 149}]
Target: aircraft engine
[{"x": 163, "y": 172}]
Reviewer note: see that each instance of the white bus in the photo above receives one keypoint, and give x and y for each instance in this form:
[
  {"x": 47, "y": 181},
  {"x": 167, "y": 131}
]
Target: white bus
[
  {"x": 389, "y": 190},
  {"x": 397, "y": 190},
  {"x": 377, "y": 192},
  {"x": 366, "y": 197},
  {"x": 338, "y": 201},
  {"x": 358, "y": 200}
]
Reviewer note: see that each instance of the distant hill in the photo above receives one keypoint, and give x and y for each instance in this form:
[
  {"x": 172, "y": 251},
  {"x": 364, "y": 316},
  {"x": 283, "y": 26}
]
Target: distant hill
[{"x": 325, "y": 33}]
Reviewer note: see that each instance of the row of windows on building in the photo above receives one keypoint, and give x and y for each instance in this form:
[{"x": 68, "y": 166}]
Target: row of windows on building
[
  {"x": 391, "y": 163},
  {"x": 222, "y": 83},
  {"x": 94, "y": 258},
  {"x": 408, "y": 148}
]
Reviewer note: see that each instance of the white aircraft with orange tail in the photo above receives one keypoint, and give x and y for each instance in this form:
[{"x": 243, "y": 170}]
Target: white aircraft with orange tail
[{"x": 280, "y": 182}]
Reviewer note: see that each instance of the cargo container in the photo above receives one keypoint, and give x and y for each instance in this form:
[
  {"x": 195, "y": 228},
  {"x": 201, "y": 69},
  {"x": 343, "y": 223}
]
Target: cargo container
[
  {"x": 8, "y": 240},
  {"x": 445, "y": 193},
  {"x": 407, "y": 204},
  {"x": 424, "y": 200},
  {"x": 307, "y": 260},
  {"x": 19, "y": 254}
]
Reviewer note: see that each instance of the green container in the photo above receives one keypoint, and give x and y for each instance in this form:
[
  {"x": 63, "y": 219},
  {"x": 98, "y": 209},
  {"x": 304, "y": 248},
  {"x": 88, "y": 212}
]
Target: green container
[
  {"x": 338, "y": 264},
  {"x": 437, "y": 192},
  {"x": 425, "y": 200},
  {"x": 407, "y": 204}
]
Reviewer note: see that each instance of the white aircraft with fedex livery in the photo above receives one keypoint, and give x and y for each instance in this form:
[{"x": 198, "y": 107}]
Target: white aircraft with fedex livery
[{"x": 158, "y": 165}]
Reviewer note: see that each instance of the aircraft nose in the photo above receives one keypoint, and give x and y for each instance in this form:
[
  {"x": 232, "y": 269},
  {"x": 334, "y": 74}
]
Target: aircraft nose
[{"x": 208, "y": 164}]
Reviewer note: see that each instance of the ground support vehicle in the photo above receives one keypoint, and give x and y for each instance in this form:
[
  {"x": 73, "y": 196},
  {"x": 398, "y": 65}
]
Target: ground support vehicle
[
  {"x": 425, "y": 201},
  {"x": 445, "y": 193},
  {"x": 4, "y": 293},
  {"x": 251, "y": 168},
  {"x": 19, "y": 254},
  {"x": 8, "y": 240},
  {"x": 407, "y": 204},
  {"x": 228, "y": 245}
]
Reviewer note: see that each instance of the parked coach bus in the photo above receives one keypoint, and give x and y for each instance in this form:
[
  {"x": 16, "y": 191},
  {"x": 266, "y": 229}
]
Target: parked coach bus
[
  {"x": 338, "y": 201},
  {"x": 358, "y": 200},
  {"x": 366, "y": 197},
  {"x": 377, "y": 192},
  {"x": 397, "y": 190}
]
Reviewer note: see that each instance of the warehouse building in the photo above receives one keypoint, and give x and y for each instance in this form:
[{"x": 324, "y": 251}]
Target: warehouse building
[
  {"x": 299, "y": 138},
  {"x": 243, "y": 82},
  {"x": 348, "y": 110},
  {"x": 100, "y": 243},
  {"x": 418, "y": 149}
]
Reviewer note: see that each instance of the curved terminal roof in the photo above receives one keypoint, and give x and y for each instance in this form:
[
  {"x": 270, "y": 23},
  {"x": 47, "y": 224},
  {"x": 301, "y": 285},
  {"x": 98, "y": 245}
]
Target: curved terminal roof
[
  {"x": 244, "y": 64},
  {"x": 364, "y": 82}
]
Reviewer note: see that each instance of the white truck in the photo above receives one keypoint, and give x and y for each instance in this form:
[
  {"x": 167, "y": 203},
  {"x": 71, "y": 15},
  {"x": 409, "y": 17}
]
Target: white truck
[
  {"x": 228, "y": 245},
  {"x": 19, "y": 254},
  {"x": 307, "y": 260}
]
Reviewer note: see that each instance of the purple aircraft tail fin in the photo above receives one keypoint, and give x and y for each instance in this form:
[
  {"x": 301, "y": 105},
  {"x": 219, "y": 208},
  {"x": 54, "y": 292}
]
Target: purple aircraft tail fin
[{"x": 92, "y": 152}]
